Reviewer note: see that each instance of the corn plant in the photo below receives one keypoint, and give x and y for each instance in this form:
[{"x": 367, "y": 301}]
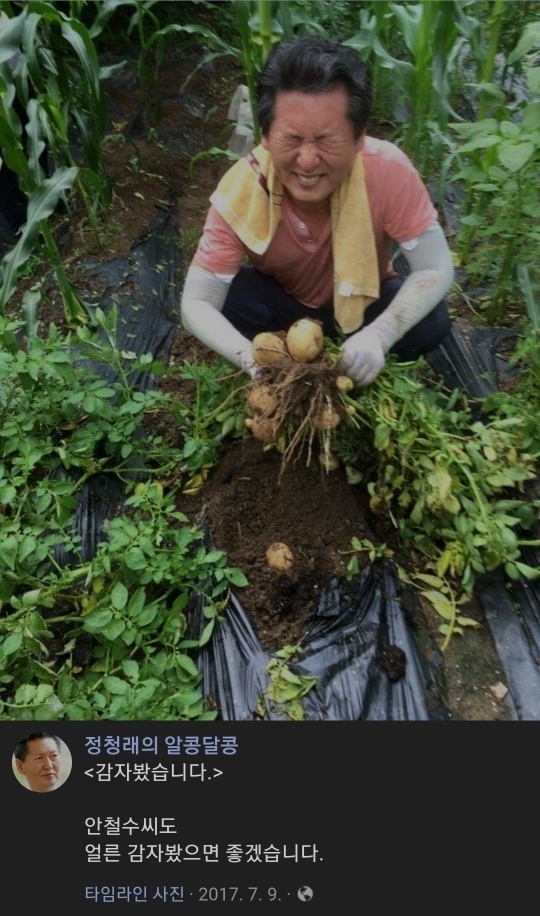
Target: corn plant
[
  {"x": 371, "y": 35},
  {"x": 432, "y": 36},
  {"x": 257, "y": 29},
  {"x": 57, "y": 65},
  {"x": 145, "y": 24},
  {"x": 48, "y": 63},
  {"x": 524, "y": 55},
  {"x": 42, "y": 203}
]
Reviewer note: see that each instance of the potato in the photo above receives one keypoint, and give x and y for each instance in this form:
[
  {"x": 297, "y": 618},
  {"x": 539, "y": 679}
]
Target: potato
[
  {"x": 268, "y": 349},
  {"x": 263, "y": 428},
  {"x": 305, "y": 340},
  {"x": 344, "y": 384},
  {"x": 262, "y": 399},
  {"x": 327, "y": 419},
  {"x": 329, "y": 460},
  {"x": 279, "y": 556}
]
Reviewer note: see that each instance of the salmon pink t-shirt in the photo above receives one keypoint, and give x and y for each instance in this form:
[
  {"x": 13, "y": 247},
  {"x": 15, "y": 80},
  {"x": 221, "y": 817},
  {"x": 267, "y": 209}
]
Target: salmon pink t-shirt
[{"x": 301, "y": 260}]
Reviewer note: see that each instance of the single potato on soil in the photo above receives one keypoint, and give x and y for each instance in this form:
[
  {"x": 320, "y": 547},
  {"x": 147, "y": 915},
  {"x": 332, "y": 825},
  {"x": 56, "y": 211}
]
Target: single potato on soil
[{"x": 279, "y": 556}]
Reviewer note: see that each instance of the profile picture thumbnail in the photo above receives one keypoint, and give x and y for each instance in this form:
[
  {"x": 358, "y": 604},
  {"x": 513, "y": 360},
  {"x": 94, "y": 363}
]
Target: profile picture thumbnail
[{"x": 41, "y": 762}]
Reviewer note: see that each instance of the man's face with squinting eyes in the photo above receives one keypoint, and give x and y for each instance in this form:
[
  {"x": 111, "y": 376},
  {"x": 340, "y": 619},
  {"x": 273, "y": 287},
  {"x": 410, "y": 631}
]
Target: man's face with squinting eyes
[{"x": 312, "y": 145}]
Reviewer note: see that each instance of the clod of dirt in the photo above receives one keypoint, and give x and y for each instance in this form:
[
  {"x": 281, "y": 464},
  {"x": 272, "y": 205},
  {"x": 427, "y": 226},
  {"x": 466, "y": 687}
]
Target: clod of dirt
[{"x": 394, "y": 661}]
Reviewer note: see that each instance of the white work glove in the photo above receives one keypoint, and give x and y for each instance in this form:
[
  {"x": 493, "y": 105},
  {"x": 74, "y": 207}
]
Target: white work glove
[
  {"x": 251, "y": 370},
  {"x": 364, "y": 355}
]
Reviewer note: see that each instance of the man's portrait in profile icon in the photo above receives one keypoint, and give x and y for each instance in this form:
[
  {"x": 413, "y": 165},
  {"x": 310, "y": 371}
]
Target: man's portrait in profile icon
[{"x": 40, "y": 762}]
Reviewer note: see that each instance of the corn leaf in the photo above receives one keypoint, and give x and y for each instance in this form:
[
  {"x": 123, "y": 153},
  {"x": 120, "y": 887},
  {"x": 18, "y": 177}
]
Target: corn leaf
[{"x": 41, "y": 205}]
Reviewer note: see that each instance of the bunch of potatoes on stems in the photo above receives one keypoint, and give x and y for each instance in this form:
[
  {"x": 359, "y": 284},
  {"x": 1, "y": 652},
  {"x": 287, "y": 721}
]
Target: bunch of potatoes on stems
[{"x": 296, "y": 399}]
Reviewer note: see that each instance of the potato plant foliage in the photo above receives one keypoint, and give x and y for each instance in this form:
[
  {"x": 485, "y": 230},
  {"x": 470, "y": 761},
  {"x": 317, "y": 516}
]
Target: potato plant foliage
[
  {"x": 103, "y": 636},
  {"x": 456, "y": 487}
]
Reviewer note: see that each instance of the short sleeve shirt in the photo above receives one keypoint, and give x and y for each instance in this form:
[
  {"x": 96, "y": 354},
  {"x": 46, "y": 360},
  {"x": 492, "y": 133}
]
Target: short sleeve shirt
[{"x": 400, "y": 206}]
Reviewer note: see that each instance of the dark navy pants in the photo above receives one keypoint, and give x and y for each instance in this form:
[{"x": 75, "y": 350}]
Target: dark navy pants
[{"x": 256, "y": 302}]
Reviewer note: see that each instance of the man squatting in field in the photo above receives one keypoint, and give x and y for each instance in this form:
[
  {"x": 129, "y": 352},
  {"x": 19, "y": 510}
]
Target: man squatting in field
[{"x": 314, "y": 210}]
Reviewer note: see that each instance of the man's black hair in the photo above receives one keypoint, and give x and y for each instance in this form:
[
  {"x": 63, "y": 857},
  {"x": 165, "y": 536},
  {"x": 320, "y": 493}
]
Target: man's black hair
[
  {"x": 312, "y": 65},
  {"x": 22, "y": 748}
]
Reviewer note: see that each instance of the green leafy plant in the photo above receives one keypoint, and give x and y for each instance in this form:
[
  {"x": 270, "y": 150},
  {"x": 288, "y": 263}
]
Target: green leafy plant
[
  {"x": 218, "y": 410},
  {"x": 523, "y": 399},
  {"x": 105, "y": 636},
  {"x": 497, "y": 160},
  {"x": 286, "y": 689},
  {"x": 364, "y": 545},
  {"x": 214, "y": 151},
  {"x": 505, "y": 215},
  {"x": 453, "y": 487},
  {"x": 443, "y": 599}
]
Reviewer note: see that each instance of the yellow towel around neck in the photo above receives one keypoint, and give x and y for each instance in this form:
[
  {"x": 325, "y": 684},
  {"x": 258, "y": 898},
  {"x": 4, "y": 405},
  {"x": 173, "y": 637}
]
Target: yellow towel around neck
[{"x": 249, "y": 198}]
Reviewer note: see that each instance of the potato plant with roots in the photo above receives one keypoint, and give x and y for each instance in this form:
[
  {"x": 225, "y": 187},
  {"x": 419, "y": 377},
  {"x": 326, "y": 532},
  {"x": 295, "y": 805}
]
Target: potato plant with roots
[{"x": 296, "y": 400}]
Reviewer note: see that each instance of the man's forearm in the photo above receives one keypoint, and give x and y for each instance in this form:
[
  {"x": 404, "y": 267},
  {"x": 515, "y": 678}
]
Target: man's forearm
[
  {"x": 430, "y": 279},
  {"x": 364, "y": 353},
  {"x": 202, "y": 302}
]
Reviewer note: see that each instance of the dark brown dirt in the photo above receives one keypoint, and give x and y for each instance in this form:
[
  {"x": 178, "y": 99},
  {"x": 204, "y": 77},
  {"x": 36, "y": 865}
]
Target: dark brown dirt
[
  {"x": 249, "y": 509},
  {"x": 243, "y": 501}
]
